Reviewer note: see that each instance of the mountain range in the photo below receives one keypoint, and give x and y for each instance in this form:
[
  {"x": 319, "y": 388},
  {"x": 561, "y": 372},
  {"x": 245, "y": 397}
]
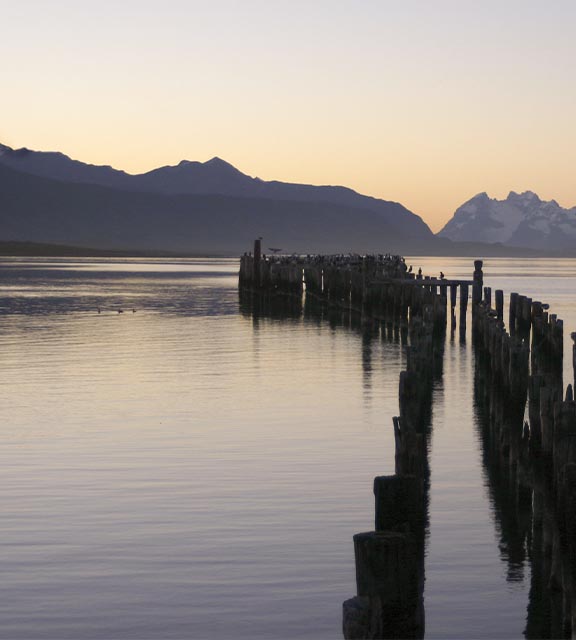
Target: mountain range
[
  {"x": 522, "y": 220},
  {"x": 213, "y": 208},
  {"x": 192, "y": 207}
]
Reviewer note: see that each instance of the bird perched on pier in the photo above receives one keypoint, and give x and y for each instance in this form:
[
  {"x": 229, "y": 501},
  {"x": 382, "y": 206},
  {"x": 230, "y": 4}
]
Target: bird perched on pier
[{"x": 441, "y": 276}]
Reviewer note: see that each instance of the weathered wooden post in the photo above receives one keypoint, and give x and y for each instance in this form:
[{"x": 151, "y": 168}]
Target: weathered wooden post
[
  {"x": 264, "y": 273},
  {"x": 453, "y": 292},
  {"x": 384, "y": 563},
  {"x": 313, "y": 279},
  {"x": 564, "y": 451},
  {"x": 242, "y": 277},
  {"x": 257, "y": 258},
  {"x": 477, "y": 285},
  {"x": 526, "y": 314},
  {"x": 488, "y": 297},
  {"x": 388, "y": 604},
  {"x": 444, "y": 301},
  {"x": 410, "y": 450},
  {"x": 558, "y": 348},
  {"x": 548, "y": 399},
  {"x": 409, "y": 396},
  {"x": 463, "y": 305},
  {"x": 534, "y": 400},
  {"x": 499, "y": 302},
  {"x": 519, "y": 375},
  {"x": 519, "y": 317},
  {"x": 512, "y": 313},
  {"x": 398, "y": 502}
]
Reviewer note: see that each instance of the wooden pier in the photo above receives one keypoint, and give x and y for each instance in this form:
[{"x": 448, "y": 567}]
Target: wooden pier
[
  {"x": 380, "y": 285},
  {"x": 529, "y": 422}
]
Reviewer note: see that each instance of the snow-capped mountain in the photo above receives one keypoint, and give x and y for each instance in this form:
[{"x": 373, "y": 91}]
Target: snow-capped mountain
[{"x": 522, "y": 220}]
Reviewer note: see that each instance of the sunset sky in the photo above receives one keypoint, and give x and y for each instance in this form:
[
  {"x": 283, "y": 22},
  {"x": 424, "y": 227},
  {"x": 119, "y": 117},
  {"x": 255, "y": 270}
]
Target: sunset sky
[{"x": 426, "y": 103}]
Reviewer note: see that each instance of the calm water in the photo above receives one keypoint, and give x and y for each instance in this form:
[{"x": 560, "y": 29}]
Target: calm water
[{"x": 189, "y": 471}]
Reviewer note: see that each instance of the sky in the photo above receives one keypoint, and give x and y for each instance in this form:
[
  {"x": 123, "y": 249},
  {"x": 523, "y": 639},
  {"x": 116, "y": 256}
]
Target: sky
[{"x": 424, "y": 103}]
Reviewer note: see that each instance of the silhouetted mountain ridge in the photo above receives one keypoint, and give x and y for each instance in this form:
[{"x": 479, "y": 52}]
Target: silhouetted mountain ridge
[
  {"x": 216, "y": 176},
  {"x": 43, "y": 210},
  {"x": 47, "y": 198}
]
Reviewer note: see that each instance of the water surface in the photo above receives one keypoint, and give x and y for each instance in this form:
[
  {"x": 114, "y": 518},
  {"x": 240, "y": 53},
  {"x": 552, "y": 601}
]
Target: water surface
[{"x": 185, "y": 469}]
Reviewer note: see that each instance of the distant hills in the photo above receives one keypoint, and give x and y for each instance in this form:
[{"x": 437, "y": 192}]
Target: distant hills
[
  {"x": 522, "y": 220},
  {"x": 215, "y": 177},
  {"x": 36, "y": 209},
  {"x": 210, "y": 208},
  {"x": 192, "y": 207}
]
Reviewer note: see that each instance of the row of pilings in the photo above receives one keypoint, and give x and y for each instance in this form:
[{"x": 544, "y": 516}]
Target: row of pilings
[
  {"x": 529, "y": 435},
  {"x": 524, "y": 509},
  {"x": 528, "y": 432},
  {"x": 390, "y": 559},
  {"x": 380, "y": 286}
]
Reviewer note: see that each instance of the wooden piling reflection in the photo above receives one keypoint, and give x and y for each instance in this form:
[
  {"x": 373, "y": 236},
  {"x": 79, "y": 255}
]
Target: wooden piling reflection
[
  {"x": 377, "y": 291},
  {"x": 528, "y": 427},
  {"x": 531, "y": 463}
]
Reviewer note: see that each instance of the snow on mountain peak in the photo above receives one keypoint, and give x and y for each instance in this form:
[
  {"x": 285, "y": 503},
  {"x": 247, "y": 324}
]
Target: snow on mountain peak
[
  {"x": 523, "y": 219},
  {"x": 526, "y": 198}
]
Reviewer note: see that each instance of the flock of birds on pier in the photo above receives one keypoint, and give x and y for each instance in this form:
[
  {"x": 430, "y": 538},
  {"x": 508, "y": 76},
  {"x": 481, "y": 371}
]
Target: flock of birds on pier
[{"x": 390, "y": 263}]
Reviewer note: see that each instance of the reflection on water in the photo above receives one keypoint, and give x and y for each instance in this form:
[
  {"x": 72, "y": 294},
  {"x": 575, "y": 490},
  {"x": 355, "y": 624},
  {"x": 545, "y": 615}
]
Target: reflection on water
[
  {"x": 529, "y": 538},
  {"x": 534, "y": 524},
  {"x": 195, "y": 469},
  {"x": 185, "y": 470}
]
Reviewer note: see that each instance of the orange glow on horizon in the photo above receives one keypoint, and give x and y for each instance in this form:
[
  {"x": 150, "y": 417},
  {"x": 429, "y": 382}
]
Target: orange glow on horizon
[{"x": 423, "y": 105}]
